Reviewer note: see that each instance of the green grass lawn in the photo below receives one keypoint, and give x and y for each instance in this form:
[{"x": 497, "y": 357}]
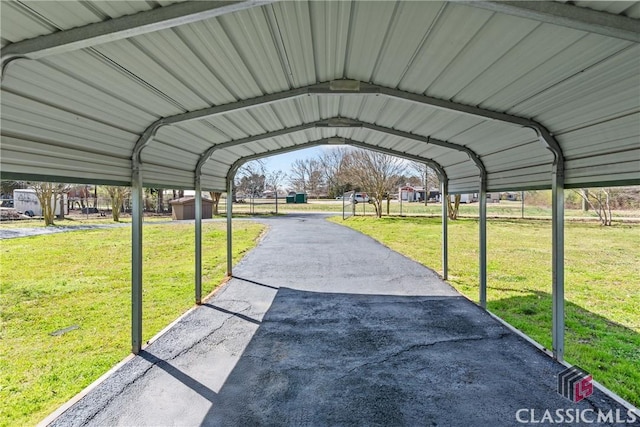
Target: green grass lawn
[
  {"x": 82, "y": 279},
  {"x": 602, "y": 283}
]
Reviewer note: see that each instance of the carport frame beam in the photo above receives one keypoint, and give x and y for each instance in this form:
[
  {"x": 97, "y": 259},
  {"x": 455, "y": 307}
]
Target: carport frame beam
[
  {"x": 230, "y": 225},
  {"x": 482, "y": 252},
  {"x": 136, "y": 261},
  {"x": 444, "y": 196},
  {"x": 335, "y": 87},
  {"x": 198, "y": 242}
]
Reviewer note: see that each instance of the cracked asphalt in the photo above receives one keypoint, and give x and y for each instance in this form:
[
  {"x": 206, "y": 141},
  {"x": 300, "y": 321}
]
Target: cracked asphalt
[{"x": 322, "y": 326}]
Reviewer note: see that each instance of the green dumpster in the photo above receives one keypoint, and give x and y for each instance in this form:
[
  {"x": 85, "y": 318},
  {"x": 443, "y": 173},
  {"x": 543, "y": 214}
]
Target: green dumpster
[
  {"x": 291, "y": 199},
  {"x": 301, "y": 198}
]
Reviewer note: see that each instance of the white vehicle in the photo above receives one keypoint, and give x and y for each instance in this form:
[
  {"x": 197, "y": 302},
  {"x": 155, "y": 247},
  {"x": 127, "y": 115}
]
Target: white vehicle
[
  {"x": 26, "y": 201},
  {"x": 356, "y": 198}
]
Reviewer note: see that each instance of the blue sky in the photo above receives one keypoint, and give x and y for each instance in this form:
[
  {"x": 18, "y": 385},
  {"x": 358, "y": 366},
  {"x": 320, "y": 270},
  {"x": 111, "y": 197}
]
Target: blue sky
[{"x": 283, "y": 161}]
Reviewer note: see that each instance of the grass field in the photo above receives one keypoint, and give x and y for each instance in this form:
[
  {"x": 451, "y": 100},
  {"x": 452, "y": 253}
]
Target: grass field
[
  {"x": 602, "y": 283},
  {"x": 82, "y": 279},
  {"x": 502, "y": 209}
]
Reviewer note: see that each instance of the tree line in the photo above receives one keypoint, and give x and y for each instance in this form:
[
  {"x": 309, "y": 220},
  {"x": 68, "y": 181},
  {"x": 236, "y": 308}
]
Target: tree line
[{"x": 336, "y": 171}]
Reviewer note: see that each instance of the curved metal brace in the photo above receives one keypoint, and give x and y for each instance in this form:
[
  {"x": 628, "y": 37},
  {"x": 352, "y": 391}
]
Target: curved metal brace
[
  {"x": 346, "y": 87},
  {"x": 407, "y": 135},
  {"x": 442, "y": 175},
  {"x": 332, "y": 141},
  {"x": 204, "y": 157},
  {"x": 343, "y": 122}
]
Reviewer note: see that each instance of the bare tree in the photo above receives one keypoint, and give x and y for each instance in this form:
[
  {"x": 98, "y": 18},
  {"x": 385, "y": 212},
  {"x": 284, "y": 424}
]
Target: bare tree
[
  {"x": 250, "y": 178},
  {"x": 160, "y": 200},
  {"x": 599, "y": 200},
  {"x": 215, "y": 198},
  {"x": 452, "y": 208},
  {"x": 376, "y": 173},
  {"x": 48, "y": 194},
  {"x": 299, "y": 176},
  {"x": 274, "y": 180},
  {"x": 333, "y": 168},
  {"x": 306, "y": 176},
  {"x": 117, "y": 195},
  {"x": 316, "y": 181}
]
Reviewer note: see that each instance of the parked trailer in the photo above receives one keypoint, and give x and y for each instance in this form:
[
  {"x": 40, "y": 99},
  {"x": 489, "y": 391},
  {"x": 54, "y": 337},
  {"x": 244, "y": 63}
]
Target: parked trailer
[
  {"x": 27, "y": 202},
  {"x": 465, "y": 198}
]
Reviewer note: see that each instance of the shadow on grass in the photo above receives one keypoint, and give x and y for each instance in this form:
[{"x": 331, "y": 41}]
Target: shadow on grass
[{"x": 608, "y": 350}]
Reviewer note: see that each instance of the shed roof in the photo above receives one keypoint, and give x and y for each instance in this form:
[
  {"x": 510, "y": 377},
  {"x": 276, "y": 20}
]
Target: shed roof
[{"x": 91, "y": 88}]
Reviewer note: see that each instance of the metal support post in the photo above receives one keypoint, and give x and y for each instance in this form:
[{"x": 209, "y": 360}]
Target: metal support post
[
  {"x": 483, "y": 241},
  {"x": 229, "y": 224},
  {"x": 445, "y": 238},
  {"x": 136, "y": 261},
  {"x": 557, "y": 212},
  {"x": 198, "y": 242}
]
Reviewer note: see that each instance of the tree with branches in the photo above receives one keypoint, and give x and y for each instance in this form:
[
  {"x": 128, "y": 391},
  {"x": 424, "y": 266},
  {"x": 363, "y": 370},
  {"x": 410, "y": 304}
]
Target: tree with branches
[
  {"x": 250, "y": 179},
  {"x": 333, "y": 168},
  {"x": 376, "y": 173},
  {"x": 452, "y": 207},
  {"x": 49, "y": 195},
  {"x": 215, "y": 199},
  {"x": 306, "y": 176},
  {"x": 599, "y": 200},
  {"x": 274, "y": 180},
  {"x": 117, "y": 195}
]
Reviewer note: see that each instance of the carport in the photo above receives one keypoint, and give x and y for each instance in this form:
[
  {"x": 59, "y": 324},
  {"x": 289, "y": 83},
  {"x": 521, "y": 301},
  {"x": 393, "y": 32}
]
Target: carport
[{"x": 493, "y": 95}]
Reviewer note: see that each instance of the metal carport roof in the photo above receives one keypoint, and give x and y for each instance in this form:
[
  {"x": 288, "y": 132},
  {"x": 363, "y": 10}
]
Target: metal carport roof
[
  {"x": 76, "y": 110},
  {"x": 496, "y": 95}
]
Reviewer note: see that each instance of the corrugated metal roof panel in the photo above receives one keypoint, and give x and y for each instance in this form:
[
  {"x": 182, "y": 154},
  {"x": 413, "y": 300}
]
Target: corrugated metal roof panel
[
  {"x": 615, "y": 76},
  {"x": 38, "y": 81},
  {"x": 410, "y": 25},
  {"x": 443, "y": 45},
  {"x": 537, "y": 47},
  {"x": 33, "y": 120},
  {"x": 520, "y": 157},
  {"x": 252, "y": 38},
  {"x": 495, "y": 39},
  {"x": 369, "y": 25},
  {"x": 596, "y": 139},
  {"x": 18, "y": 22},
  {"x": 584, "y": 88},
  {"x": 19, "y": 154},
  {"x": 543, "y": 76}
]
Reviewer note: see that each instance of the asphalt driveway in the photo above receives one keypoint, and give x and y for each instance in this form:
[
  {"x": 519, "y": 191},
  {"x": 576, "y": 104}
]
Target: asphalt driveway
[{"x": 324, "y": 326}]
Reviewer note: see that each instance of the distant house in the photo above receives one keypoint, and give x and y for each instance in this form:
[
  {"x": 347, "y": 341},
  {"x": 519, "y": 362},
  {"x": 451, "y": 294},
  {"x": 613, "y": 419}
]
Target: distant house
[
  {"x": 510, "y": 195},
  {"x": 409, "y": 193},
  {"x": 493, "y": 197}
]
